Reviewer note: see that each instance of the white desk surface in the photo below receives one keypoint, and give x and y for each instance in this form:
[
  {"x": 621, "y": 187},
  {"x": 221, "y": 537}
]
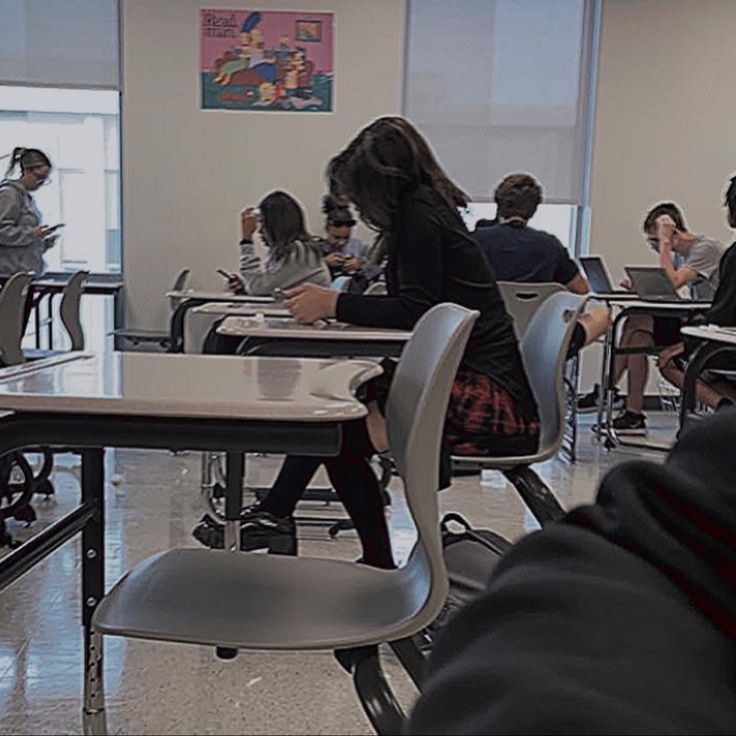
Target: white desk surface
[
  {"x": 712, "y": 332},
  {"x": 219, "y": 296},
  {"x": 683, "y": 305},
  {"x": 202, "y": 386},
  {"x": 281, "y": 328},
  {"x": 223, "y": 309}
]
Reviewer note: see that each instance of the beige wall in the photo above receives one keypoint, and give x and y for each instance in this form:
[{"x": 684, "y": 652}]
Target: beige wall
[
  {"x": 665, "y": 125},
  {"x": 188, "y": 172},
  {"x": 665, "y": 120}
]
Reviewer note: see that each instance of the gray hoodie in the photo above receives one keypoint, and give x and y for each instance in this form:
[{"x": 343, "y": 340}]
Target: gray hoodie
[{"x": 20, "y": 250}]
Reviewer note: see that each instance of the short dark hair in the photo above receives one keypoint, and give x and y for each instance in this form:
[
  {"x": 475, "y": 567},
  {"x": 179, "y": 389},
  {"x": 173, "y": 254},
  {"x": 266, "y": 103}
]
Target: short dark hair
[
  {"x": 518, "y": 195},
  {"x": 664, "y": 208},
  {"x": 730, "y": 201},
  {"x": 337, "y": 212}
]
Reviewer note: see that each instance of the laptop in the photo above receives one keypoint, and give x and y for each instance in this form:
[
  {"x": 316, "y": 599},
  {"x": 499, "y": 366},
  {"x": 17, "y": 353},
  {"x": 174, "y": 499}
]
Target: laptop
[
  {"x": 600, "y": 281},
  {"x": 652, "y": 284}
]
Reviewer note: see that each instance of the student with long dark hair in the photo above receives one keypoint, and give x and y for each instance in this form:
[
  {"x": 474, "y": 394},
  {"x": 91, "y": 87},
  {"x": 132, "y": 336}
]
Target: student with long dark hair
[
  {"x": 23, "y": 239},
  {"x": 294, "y": 256},
  {"x": 389, "y": 173}
]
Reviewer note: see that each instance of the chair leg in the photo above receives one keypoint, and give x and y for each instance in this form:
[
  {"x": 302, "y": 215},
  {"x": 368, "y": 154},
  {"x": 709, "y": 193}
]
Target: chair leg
[
  {"x": 411, "y": 657},
  {"x": 95, "y": 722},
  {"x": 378, "y": 700},
  {"x": 537, "y": 496}
]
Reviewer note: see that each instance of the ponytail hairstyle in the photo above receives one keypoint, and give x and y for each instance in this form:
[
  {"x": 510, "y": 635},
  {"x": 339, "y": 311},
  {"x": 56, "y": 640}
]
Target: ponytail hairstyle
[
  {"x": 337, "y": 211},
  {"x": 27, "y": 158},
  {"x": 387, "y": 159}
]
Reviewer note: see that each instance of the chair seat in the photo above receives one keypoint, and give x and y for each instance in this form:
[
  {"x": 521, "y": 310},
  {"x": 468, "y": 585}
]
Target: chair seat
[
  {"x": 503, "y": 463},
  {"x": 258, "y": 601},
  {"x": 143, "y": 335}
]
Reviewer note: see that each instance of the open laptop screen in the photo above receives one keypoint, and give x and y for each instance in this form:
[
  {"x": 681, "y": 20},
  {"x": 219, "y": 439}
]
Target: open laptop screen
[{"x": 596, "y": 274}]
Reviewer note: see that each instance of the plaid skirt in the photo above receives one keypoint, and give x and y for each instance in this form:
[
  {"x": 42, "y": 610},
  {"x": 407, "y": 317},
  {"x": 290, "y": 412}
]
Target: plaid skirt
[{"x": 484, "y": 419}]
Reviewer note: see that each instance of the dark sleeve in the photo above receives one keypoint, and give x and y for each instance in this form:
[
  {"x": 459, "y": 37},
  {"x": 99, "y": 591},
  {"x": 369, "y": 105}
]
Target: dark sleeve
[
  {"x": 723, "y": 310},
  {"x": 565, "y": 268},
  {"x": 419, "y": 264}
]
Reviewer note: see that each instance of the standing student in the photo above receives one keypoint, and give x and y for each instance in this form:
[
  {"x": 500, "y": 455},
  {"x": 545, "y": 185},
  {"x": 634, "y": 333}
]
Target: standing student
[
  {"x": 23, "y": 239},
  {"x": 688, "y": 260},
  {"x": 293, "y": 255},
  {"x": 519, "y": 253},
  {"x": 389, "y": 173}
]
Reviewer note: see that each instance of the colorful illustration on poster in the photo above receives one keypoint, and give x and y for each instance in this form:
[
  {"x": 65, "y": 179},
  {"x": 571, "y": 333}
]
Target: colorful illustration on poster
[{"x": 266, "y": 60}]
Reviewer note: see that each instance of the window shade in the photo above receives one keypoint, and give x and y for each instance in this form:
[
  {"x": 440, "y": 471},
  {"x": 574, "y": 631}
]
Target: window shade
[
  {"x": 500, "y": 86},
  {"x": 59, "y": 42}
]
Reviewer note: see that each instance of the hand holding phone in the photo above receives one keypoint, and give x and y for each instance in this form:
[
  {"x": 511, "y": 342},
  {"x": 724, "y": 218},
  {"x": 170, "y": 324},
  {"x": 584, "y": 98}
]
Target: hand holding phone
[{"x": 225, "y": 274}]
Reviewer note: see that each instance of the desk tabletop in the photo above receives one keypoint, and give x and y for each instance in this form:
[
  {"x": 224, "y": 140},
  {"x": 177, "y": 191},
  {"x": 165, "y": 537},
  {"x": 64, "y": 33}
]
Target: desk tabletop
[
  {"x": 280, "y": 328},
  {"x": 680, "y": 305},
  {"x": 219, "y": 296},
  {"x": 712, "y": 332},
  {"x": 57, "y": 280},
  {"x": 194, "y": 386},
  {"x": 241, "y": 309}
]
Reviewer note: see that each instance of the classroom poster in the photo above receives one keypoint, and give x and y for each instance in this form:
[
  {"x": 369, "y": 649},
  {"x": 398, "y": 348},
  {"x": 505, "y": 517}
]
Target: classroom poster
[{"x": 266, "y": 60}]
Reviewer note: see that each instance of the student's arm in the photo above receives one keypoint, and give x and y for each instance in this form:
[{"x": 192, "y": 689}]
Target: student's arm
[
  {"x": 567, "y": 271},
  {"x": 419, "y": 262},
  {"x": 301, "y": 266},
  {"x": 11, "y": 233},
  {"x": 677, "y": 276}
]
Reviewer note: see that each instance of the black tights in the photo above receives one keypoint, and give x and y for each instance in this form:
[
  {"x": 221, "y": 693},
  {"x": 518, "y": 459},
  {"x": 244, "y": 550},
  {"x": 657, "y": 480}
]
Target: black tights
[{"x": 354, "y": 482}]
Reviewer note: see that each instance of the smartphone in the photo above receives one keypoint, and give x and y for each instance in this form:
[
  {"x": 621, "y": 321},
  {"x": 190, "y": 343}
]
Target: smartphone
[
  {"x": 225, "y": 274},
  {"x": 278, "y": 295},
  {"x": 56, "y": 227}
]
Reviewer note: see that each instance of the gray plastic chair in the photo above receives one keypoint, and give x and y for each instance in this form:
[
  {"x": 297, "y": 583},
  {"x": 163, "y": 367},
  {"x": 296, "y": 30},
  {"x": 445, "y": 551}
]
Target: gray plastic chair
[
  {"x": 70, "y": 309},
  {"x": 243, "y": 601},
  {"x": 12, "y": 309},
  {"x": 377, "y": 288},
  {"x": 523, "y": 300},
  {"x": 138, "y": 335},
  {"x": 543, "y": 350}
]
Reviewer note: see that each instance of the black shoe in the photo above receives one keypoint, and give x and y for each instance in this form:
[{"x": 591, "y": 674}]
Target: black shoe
[
  {"x": 589, "y": 402},
  {"x": 258, "y": 530},
  {"x": 629, "y": 422}
]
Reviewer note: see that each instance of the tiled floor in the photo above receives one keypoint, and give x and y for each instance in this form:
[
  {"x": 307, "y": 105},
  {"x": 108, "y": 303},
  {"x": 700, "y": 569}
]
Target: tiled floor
[{"x": 158, "y": 688}]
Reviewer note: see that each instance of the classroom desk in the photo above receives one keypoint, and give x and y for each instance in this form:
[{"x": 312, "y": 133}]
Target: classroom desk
[
  {"x": 190, "y": 298},
  {"x": 715, "y": 340},
  {"x": 199, "y": 320},
  {"x": 164, "y": 401},
  {"x": 284, "y": 336},
  {"x": 628, "y": 307},
  {"x": 52, "y": 283}
]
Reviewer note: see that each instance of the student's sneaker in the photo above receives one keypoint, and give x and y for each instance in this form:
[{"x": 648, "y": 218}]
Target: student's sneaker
[
  {"x": 258, "y": 530},
  {"x": 629, "y": 422},
  {"x": 589, "y": 402}
]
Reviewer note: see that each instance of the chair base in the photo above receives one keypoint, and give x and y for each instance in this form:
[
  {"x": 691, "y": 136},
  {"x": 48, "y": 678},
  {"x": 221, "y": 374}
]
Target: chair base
[{"x": 535, "y": 493}]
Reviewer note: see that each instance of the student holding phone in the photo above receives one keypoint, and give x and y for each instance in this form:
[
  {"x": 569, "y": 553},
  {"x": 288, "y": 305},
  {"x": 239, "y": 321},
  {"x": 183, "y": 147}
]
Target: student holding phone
[
  {"x": 23, "y": 237},
  {"x": 343, "y": 253},
  {"x": 293, "y": 255}
]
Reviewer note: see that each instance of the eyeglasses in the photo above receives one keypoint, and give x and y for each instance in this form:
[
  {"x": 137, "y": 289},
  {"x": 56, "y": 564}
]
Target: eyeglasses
[
  {"x": 654, "y": 242},
  {"x": 42, "y": 179}
]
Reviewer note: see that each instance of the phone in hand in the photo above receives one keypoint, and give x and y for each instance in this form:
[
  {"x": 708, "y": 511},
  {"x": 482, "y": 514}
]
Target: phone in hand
[
  {"x": 53, "y": 228},
  {"x": 278, "y": 295},
  {"x": 226, "y": 274}
]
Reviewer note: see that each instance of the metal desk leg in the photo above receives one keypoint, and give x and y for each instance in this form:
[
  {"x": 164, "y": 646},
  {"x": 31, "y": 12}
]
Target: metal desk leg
[
  {"x": 117, "y": 317},
  {"x": 603, "y": 393},
  {"x": 50, "y": 325},
  {"x": 93, "y": 579},
  {"x": 233, "y": 499}
]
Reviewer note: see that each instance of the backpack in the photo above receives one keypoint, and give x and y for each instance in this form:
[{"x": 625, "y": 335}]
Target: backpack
[{"x": 470, "y": 557}]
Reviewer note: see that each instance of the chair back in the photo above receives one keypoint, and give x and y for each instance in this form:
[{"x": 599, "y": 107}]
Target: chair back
[
  {"x": 523, "y": 300},
  {"x": 70, "y": 311},
  {"x": 179, "y": 283},
  {"x": 12, "y": 310},
  {"x": 415, "y": 417},
  {"x": 544, "y": 352},
  {"x": 377, "y": 288}
]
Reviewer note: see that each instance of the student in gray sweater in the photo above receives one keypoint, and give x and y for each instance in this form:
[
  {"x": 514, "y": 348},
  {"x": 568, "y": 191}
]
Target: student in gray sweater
[
  {"x": 23, "y": 239},
  {"x": 294, "y": 257}
]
